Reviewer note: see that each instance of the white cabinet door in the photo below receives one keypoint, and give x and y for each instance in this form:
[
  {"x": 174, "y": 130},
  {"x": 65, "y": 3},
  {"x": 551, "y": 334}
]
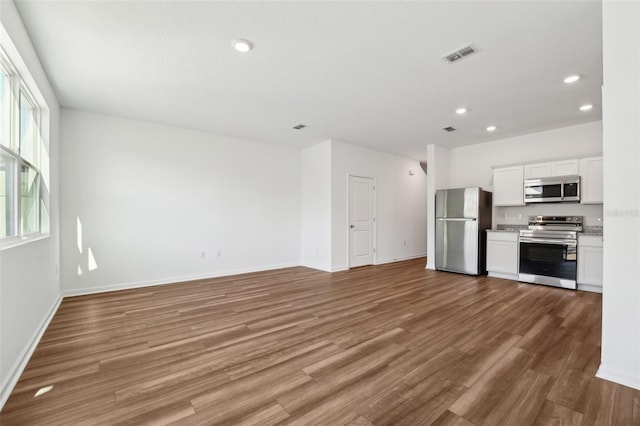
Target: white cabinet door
[
  {"x": 591, "y": 180},
  {"x": 508, "y": 186},
  {"x": 550, "y": 169},
  {"x": 590, "y": 261},
  {"x": 565, "y": 167},
  {"x": 502, "y": 252},
  {"x": 539, "y": 170}
]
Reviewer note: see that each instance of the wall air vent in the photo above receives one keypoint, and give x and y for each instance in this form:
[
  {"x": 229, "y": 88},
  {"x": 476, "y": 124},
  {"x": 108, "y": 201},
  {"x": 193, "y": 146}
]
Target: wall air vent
[
  {"x": 449, "y": 129},
  {"x": 299, "y": 126},
  {"x": 459, "y": 53}
]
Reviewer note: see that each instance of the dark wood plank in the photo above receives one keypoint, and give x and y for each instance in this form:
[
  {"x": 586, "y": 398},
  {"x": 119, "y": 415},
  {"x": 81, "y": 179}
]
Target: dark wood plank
[
  {"x": 381, "y": 345},
  {"x": 555, "y": 414}
]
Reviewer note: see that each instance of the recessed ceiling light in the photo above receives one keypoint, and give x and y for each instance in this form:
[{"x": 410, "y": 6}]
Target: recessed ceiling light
[
  {"x": 572, "y": 78},
  {"x": 242, "y": 45},
  {"x": 491, "y": 128},
  {"x": 586, "y": 107},
  {"x": 461, "y": 110}
]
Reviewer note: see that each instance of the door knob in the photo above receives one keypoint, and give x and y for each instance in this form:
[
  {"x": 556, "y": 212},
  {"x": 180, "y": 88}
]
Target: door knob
[{"x": 352, "y": 226}]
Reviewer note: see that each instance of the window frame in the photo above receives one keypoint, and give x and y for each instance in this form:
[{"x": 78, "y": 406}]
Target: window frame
[
  {"x": 23, "y": 92},
  {"x": 18, "y": 88},
  {"x": 7, "y": 70}
]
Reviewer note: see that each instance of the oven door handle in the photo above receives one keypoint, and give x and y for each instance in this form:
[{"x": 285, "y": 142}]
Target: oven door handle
[{"x": 547, "y": 241}]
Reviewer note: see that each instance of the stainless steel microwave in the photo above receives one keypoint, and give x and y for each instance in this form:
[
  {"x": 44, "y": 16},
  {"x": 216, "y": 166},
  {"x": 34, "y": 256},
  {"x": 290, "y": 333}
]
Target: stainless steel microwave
[{"x": 559, "y": 189}]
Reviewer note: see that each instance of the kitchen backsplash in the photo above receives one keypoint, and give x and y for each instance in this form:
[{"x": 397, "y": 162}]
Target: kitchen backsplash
[
  {"x": 520, "y": 215},
  {"x": 510, "y": 227}
]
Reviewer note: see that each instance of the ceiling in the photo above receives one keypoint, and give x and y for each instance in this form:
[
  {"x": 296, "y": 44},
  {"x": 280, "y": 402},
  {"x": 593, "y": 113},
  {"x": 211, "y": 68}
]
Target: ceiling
[{"x": 369, "y": 73}]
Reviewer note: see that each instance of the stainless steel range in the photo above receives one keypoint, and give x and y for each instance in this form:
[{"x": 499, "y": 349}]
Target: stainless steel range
[{"x": 548, "y": 250}]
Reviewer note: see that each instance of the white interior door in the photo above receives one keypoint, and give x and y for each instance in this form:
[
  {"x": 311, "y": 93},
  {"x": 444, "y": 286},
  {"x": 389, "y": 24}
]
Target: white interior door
[{"x": 361, "y": 221}]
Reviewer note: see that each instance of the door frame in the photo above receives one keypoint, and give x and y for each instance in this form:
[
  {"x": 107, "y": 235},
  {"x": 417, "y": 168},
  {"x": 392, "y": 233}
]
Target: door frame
[{"x": 375, "y": 222}]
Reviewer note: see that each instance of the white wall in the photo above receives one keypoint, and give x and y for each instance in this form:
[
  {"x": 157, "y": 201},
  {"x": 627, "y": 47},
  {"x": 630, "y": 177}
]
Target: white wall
[
  {"x": 621, "y": 112},
  {"x": 400, "y": 203},
  {"x": 438, "y": 178},
  {"x": 29, "y": 282},
  {"x": 315, "y": 246},
  {"x": 471, "y": 165},
  {"x": 152, "y": 198}
]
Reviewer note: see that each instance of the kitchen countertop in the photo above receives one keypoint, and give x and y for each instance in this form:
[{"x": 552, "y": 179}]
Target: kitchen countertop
[
  {"x": 509, "y": 228},
  {"x": 592, "y": 232}
]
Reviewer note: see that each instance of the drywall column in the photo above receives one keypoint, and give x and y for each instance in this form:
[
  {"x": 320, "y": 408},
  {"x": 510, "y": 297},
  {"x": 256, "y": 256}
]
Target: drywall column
[
  {"x": 437, "y": 178},
  {"x": 621, "y": 143},
  {"x": 315, "y": 239}
]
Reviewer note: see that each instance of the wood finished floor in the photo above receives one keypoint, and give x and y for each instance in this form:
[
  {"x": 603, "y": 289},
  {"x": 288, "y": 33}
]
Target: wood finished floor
[{"x": 385, "y": 345}]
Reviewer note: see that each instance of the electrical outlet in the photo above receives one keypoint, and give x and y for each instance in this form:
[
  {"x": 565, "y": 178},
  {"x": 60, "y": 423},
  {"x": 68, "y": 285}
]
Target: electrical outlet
[
  {"x": 203, "y": 254},
  {"x": 519, "y": 215},
  {"x": 219, "y": 253},
  {"x": 404, "y": 243}
]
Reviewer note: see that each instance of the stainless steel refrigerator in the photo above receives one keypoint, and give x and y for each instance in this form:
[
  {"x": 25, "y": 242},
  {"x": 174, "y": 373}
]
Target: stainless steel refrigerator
[{"x": 462, "y": 217}]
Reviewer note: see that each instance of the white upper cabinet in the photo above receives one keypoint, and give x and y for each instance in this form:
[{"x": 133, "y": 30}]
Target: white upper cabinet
[
  {"x": 539, "y": 170},
  {"x": 591, "y": 180},
  {"x": 565, "y": 167},
  {"x": 508, "y": 188},
  {"x": 550, "y": 169}
]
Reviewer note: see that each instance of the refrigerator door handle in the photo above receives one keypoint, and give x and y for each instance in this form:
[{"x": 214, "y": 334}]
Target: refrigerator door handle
[{"x": 457, "y": 219}]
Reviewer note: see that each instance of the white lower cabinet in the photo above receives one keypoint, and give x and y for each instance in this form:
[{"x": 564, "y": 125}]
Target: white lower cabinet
[
  {"x": 502, "y": 254},
  {"x": 590, "y": 263}
]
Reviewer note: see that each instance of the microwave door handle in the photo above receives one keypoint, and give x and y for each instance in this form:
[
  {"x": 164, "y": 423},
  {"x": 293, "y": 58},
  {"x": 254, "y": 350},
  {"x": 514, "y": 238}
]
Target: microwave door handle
[{"x": 562, "y": 191}]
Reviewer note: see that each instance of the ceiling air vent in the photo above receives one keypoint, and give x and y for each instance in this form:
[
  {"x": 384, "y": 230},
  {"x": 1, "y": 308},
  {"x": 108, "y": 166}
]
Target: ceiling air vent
[
  {"x": 459, "y": 53},
  {"x": 449, "y": 129},
  {"x": 299, "y": 126}
]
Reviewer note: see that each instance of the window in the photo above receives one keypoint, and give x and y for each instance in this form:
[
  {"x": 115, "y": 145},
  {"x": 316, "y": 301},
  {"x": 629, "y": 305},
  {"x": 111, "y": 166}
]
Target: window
[
  {"x": 27, "y": 128},
  {"x": 24, "y": 159},
  {"x": 7, "y": 195},
  {"x": 4, "y": 107},
  {"x": 29, "y": 200}
]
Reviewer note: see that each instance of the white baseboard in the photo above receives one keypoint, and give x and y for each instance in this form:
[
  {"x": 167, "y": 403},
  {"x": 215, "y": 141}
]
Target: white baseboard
[
  {"x": 18, "y": 367},
  {"x": 323, "y": 269},
  {"x": 173, "y": 280},
  {"x": 618, "y": 376},
  {"x": 503, "y": 276},
  {"x": 380, "y": 262},
  {"x": 400, "y": 259},
  {"x": 591, "y": 288}
]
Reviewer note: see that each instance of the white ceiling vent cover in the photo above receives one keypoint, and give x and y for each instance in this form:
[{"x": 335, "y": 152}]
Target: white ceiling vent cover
[{"x": 459, "y": 53}]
